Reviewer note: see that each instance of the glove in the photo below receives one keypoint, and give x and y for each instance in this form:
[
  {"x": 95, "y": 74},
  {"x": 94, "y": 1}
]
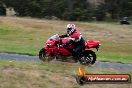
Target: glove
[
  {"x": 65, "y": 45},
  {"x": 63, "y": 36}
]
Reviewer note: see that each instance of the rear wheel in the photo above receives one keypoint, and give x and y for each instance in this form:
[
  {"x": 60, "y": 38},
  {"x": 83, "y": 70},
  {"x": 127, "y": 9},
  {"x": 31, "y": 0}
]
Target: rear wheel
[
  {"x": 44, "y": 56},
  {"x": 89, "y": 57}
]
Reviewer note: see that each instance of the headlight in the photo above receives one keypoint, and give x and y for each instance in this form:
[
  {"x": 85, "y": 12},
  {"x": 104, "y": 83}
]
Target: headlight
[{"x": 48, "y": 44}]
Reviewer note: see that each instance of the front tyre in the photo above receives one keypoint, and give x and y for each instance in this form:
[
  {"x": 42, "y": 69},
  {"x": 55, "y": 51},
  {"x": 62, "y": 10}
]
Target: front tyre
[
  {"x": 44, "y": 56},
  {"x": 89, "y": 57}
]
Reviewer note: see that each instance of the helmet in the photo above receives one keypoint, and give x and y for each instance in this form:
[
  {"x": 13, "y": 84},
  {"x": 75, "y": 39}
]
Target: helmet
[{"x": 70, "y": 27}]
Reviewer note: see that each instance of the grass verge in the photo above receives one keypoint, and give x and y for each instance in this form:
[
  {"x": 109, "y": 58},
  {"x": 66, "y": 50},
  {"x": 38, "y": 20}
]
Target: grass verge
[{"x": 16, "y": 74}]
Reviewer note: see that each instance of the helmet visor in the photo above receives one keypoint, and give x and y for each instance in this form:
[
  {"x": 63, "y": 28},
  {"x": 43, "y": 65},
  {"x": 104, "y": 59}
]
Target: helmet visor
[{"x": 69, "y": 29}]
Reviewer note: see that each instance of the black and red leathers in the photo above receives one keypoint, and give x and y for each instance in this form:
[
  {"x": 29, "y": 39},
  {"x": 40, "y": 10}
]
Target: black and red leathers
[{"x": 76, "y": 38}]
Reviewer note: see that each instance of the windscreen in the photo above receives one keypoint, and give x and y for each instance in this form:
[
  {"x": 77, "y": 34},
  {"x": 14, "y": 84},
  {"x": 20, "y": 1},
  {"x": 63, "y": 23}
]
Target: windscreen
[{"x": 54, "y": 37}]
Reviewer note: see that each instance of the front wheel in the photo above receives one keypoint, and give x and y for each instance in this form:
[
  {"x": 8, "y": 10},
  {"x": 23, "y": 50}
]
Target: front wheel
[
  {"x": 44, "y": 56},
  {"x": 89, "y": 57}
]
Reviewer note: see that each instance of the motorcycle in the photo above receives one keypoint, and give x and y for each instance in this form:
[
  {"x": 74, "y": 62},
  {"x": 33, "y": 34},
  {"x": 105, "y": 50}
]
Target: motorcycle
[{"x": 54, "y": 49}]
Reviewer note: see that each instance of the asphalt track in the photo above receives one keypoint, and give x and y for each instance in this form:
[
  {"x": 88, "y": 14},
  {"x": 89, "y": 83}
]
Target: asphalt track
[{"x": 97, "y": 65}]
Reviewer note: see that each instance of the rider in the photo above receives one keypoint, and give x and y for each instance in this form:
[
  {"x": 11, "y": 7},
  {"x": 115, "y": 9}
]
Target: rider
[{"x": 76, "y": 38}]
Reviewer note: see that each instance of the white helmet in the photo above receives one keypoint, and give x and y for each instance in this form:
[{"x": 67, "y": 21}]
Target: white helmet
[{"x": 71, "y": 27}]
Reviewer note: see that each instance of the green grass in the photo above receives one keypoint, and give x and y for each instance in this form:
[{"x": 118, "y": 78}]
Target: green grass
[
  {"x": 15, "y": 74},
  {"x": 114, "y": 57},
  {"x": 17, "y": 40},
  {"x": 27, "y": 36}
]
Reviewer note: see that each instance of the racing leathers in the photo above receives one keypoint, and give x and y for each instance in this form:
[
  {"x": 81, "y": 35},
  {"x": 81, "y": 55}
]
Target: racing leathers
[{"x": 77, "y": 40}]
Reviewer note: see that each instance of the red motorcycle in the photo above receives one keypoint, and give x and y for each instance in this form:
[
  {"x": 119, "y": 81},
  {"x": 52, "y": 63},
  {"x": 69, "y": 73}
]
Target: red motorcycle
[{"x": 54, "y": 49}]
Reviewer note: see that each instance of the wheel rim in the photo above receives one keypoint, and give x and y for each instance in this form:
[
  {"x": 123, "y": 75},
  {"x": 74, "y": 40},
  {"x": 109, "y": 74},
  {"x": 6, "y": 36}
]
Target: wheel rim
[
  {"x": 90, "y": 58},
  {"x": 87, "y": 59}
]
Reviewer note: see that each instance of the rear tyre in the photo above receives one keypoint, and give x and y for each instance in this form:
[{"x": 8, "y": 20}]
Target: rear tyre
[{"x": 89, "y": 57}]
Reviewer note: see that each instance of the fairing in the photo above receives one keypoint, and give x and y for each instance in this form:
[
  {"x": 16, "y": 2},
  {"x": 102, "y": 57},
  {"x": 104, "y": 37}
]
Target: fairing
[{"x": 92, "y": 44}]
